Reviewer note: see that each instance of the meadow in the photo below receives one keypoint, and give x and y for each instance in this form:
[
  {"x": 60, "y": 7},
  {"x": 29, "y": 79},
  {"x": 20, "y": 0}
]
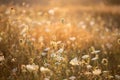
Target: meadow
[{"x": 53, "y": 43}]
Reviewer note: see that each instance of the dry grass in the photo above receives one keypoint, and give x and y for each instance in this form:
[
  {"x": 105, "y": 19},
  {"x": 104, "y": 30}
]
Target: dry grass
[{"x": 59, "y": 44}]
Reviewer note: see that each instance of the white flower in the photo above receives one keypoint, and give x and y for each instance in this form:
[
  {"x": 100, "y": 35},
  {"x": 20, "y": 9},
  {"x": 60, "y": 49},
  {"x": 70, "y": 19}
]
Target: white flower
[
  {"x": 60, "y": 50},
  {"x": 46, "y": 79},
  {"x": 95, "y": 52},
  {"x": 72, "y": 38},
  {"x": 58, "y": 42},
  {"x": 7, "y": 11},
  {"x": 47, "y": 49},
  {"x": 43, "y": 53},
  {"x": 53, "y": 55},
  {"x": 74, "y": 61},
  {"x": 92, "y": 23},
  {"x": 14, "y": 70},
  {"x": 89, "y": 66},
  {"x": 87, "y": 73},
  {"x": 57, "y": 63},
  {"x": 25, "y": 29},
  {"x": 68, "y": 24},
  {"x": 109, "y": 45},
  {"x": 97, "y": 72},
  {"x": 2, "y": 58},
  {"x": 72, "y": 78},
  {"x": 82, "y": 25},
  {"x": 32, "y": 67},
  {"x": 117, "y": 77},
  {"x": 95, "y": 58},
  {"x": 59, "y": 58},
  {"x": 118, "y": 66},
  {"x": 43, "y": 69},
  {"x": 39, "y": 13},
  {"x": 41, "y": 39},
  {"x": 85, "y": 56},
  {"x": 51, "y": 11},
  {"x": 46, "y": 64},
  {"x": 105, "y": 73}
]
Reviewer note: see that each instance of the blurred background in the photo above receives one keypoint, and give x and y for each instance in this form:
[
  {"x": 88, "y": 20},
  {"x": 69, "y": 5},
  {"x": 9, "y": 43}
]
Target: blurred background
[{"x": 62, "y": 2}]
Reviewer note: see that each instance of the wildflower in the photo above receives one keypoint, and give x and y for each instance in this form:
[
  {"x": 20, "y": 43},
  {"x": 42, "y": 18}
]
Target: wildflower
[
  {"x": 118, "y": 41},
  {"x": 43, "y": 53},
  {"x": 83, "y": 62},
  {"x": 89, "y": 66},
  {"x": 82, "y": 25},
  {"x": 85, "y": 56},
  {"x": 28, "y": 19},
  {"x": 21, "y": 41},
  {"x": 12, "y": 10},
  {"x": 46, "y": 79},
  {"x": 118, "y": 66},
  {"x": 23, "y": 68},
  {"x": 109, "y": 45},
  {"x": 32, "y": 67},
  {"x": 104, "y": 61},
  {"x": 47, "y": 30},
  {"x": 51, "y": 12},
  {"x": 110, "y": 77},
  {"x": 1, "y": 57},
  {"x": 13, "y": 59},
  {"x": 62, "y": 20},
  {"x": 43, "y": 69},
  {"x": 14, "y": 70},
  {"x": 68, "y": 24},
  {"x": 7, "y": 11},
  {"x": 97, "y": 72},
  {"x": 57, "y": 63},
  {"x": 40, "y": 13},
  {"x": 117, "y": 77},
  {"x": 95, "y": 51},
  {"x": 53, "y": 43},
  {"x": 92, "y": 23},
  {"x": 41, "y": 39},
  {"x": 106, "y": 73},
  {"x": 53, "y": 55},
  {"x": 60, "y": 50},
  {"x": 58, "y": 42},
  {"x": 74, "y": 61},
  {"x": 46, "y": 64},
  {"x": 59, "y": 58},
  {"x": 72, "y": 78},
  {"x": 46, "y": 49},
  {"x": 25, "y": 29},
  {"x": 72, "y": 38},
  {"x": 33, "y": 39},
  {"x": 95, "y": 58},
  {"x": 87, "y": 73}
]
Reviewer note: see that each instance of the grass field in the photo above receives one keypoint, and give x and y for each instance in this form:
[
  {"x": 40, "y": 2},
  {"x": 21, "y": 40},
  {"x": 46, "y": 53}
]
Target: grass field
[{"x": 59, "y": 43}]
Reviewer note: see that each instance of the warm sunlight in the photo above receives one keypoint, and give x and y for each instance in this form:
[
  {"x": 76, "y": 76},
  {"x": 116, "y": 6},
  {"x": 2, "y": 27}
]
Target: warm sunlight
[{"x": 59, "y": 39}]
